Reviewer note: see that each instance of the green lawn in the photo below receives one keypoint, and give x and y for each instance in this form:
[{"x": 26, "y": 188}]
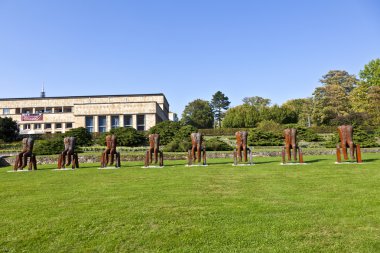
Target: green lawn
[{"x": 267, "y": 208}]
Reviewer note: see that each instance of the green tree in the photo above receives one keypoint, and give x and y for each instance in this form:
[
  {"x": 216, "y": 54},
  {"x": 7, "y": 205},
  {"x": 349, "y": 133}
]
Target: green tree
[
  {"x": 256, "y": 101},
  {"x": 8, "y": 129},
  {"x": 303, "y": 107},
  {"x": 331, "y": 100},
  {"x": 242, "y": 116},
  {"x": 166, "y": 129},
  {"x": 198, "y": 113},
  {"x": 370, "y": 75},
  {"x": 83, "y": 137},
  {"x": 219, "y": 103},
  {"x": 128, "y": 136}
]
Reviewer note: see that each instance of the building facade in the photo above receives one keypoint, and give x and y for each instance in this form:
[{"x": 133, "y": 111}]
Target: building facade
[{"x": 40, "y": 115}]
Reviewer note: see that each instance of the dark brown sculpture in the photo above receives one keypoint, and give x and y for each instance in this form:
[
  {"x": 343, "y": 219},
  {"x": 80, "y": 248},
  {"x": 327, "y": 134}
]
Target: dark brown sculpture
[
  {"x": 154, "y": 147},
  {"x": 346, "y": 141},
  {"x": 68, "y": 153},
  {"x": 111, "y": 144},
  {"x": 22, "y": 157},
  {"x": 197, "y": 149},
  {"x": 241, "y": 148},
  {"x": 290, "y": 135}
]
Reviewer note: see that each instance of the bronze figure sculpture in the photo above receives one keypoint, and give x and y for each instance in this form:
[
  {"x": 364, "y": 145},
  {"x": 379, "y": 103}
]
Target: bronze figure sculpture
[
  {"x": 154, "y": 148},
  {"x": 290, "y": 135},
  {"x": 346, "y": 141},
  {"x": 110, "y": 152},
  {"x": 69, "y": 153},
  {"x": 242, "y": 150},
  {"x": 22, "y": 157},
  {"x": 198, "y": 150}
]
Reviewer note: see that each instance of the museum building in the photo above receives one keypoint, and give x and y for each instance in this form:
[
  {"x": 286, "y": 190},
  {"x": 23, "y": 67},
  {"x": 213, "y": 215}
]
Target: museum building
[{"x": 100, "y": 113}]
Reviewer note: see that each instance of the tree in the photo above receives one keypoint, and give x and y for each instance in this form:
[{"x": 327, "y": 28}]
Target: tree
[
  {"x": 198, "y": 113},
  {"x": 370, "y": 75},
  {"x": 128, "y": 136},
  {"x": 303, "y": 107},
  {"x": 83, "y": 137},
  {"x": 256, "y": 101},
  {"x": 219, "y": 102},
  {"x": 8, "y": 129},
  {"x": 166, "y": 129},
  {"x": 242, "y": 116},
  {"x": 331, "y": 99}
]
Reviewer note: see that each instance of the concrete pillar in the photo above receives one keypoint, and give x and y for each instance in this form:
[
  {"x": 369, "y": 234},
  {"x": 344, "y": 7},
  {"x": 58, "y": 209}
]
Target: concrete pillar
[
  {"x": 121, "y": 120},
  {"x": 63, "y": 127},
  {"x": 108, "y": 120},
  {"x": 134, "y": 121},
  {"x": 96, "y": 124}
]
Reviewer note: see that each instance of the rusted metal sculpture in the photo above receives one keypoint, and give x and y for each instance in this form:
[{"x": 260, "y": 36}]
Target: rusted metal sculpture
[
  {"x": 290, "y": 135},
  {"x": 154, "y": 148},
  {"x": 69, "y": 153},
  {"x": 198, "y": 149},
  {"x": 110, "y": 152},
  {"x": 242, "y": 150},
  {"x": 22, "y": 157},
  {"x": 346, "y": 141}
]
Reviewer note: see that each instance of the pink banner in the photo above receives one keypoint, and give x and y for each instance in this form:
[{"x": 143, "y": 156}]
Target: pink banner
[{"x": 32, "y": 117}]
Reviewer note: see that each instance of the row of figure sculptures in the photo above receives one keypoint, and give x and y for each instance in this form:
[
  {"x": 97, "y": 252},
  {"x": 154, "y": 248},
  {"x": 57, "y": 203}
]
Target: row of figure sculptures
[{"x": 197, "y": 154}]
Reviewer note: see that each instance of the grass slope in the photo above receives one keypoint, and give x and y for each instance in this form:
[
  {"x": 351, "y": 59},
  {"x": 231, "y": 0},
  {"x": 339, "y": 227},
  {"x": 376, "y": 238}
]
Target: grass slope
[{"x": 267, "y": 207}]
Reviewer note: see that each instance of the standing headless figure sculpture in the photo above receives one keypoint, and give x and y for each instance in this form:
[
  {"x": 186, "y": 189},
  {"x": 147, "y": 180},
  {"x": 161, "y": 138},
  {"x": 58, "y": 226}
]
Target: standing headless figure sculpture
[
  {"x": 196, "y": 146},
  {"x": 22, "y": 157},
  {"x": 241, "y": 148},
  {"x": 111, "y": 143},
  {"x": 69, "y": 143},
  {"x": 290, "y": 135},
  {"x": 154, "y": 147},
  {"x": 346, "y": 141}
]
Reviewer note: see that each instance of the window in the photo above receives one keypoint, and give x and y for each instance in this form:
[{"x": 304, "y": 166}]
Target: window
[
  {"x": 128, "y": 121},
  {"x": 141, "y": 122},
  {"x": 102, "y": 122},
  {"x": 58, "y": 125},
  {"x": 69, "y": 125},
  {"x": 48, "y": 110},
  {"x": 26, "y": 126},
  {"x": 27, "y": 110},
  {"x": 47, "y": 125},
  {"x": 67, "y": 109},
  {"x": 90, "y": 124},
  {"x": 37, "y": 126},
  {"x": 6, "y": 111},
  {"x": 40, "y": 110},
  {"x": 57, "y": 109},
  {"x": 115, "y": 122}
]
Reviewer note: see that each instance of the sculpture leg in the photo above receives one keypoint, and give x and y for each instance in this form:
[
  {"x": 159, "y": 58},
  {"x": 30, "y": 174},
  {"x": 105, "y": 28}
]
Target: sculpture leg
[
  {"x": 59, "y": 161},
  {"x": 30, "y": 162},
  {"x": 283, "y": 155},
  {"x": 117, "y": 165},
  {"x": 193, "y": 156},
  {"x": 102, "y": 160},
  {"x": 235, "y": 157},
  {"x": 147, "y": 154},
  {"x": 69, "y": 156},
  {"x": 18, "y": 162},
  {"x": 189, "y": 157},
  {"x": 295, "y": 152},
  {"x": 358, "y": 154},
  {"x": 287, "y": 147},
  {"x": 156, "y": 151},
  {"x": 161, "y": 158},
  {"x": 245, "y": 153},
  {"x": 240, "y": 154},
  {"x": 199, "y": 153},
  {"x": 300, "y": 154},
  {"x": 63, "y": 160},
  {"x": 344, "y": 149},
  {"x": 352, "y": 149},
  {"x": 338, "y": 157},
  {"x": 112, "y": 153},
  {"x": 204, "y": 156},
  {"x": 25, "y": 159},
  {"x": 34, "y": 162},
  {"x": 150, "y": 156}
]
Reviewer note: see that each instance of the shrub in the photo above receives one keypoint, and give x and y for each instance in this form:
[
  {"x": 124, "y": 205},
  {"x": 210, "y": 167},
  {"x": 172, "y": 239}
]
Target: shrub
[
  {"x": 128, "y": 136},
  {"x": 257, "y": 137},
  {"x": 215, "y": 144},
  {"x": 83, "y": 137},
  {"x": 52, "y": 144},
  {"x": 166, "y": 129}
]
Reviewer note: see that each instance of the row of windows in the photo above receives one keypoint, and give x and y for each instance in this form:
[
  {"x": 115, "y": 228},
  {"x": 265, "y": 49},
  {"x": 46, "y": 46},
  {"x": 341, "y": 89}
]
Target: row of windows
[
  {"x": 47, "y": 125},
  {"x": 115, "y": 122},
  {"x": 58, "y": 109}
]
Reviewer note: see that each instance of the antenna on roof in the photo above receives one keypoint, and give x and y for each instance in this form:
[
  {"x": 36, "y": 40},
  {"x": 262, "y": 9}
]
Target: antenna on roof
[{"x": 43, "y": 90}]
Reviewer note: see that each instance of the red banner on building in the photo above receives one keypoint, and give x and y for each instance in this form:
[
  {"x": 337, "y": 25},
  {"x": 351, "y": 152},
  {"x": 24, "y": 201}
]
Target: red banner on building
[{"x": 32, "y": 117}]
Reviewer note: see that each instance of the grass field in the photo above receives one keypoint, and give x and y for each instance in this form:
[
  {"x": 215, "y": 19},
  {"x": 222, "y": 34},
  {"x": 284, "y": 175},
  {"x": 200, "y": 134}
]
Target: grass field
[{"x": 318, "y": 207}]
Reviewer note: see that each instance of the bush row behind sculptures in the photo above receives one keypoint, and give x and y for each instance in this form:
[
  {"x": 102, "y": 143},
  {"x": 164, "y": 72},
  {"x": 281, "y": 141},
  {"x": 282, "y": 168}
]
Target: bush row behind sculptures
[{"x": 69, "y": 153}]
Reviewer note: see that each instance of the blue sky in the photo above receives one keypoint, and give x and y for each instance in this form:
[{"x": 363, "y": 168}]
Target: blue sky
[{"x": 186, "y": 49}]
